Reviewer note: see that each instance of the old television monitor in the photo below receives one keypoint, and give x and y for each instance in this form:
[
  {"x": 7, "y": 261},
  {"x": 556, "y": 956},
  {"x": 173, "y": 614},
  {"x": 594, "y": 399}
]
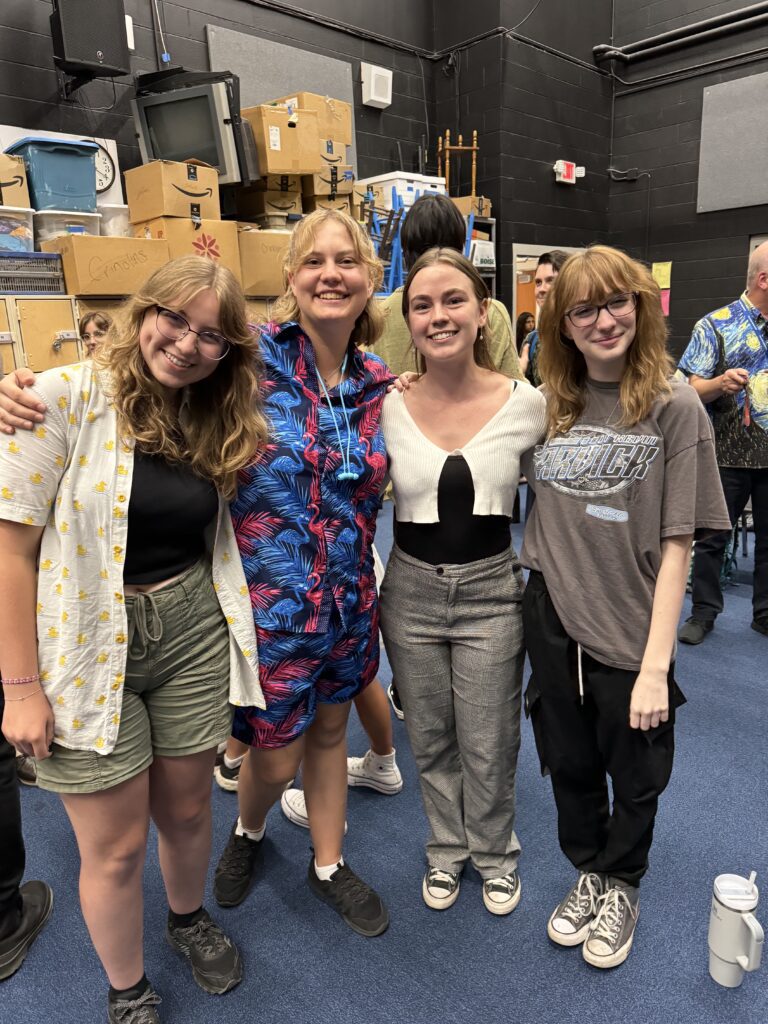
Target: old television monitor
[{"x": 188, "y": 123}]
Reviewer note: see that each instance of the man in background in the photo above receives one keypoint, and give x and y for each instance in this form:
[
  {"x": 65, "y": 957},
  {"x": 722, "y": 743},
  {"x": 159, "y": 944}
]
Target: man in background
[{"x": 547, "y": 269}]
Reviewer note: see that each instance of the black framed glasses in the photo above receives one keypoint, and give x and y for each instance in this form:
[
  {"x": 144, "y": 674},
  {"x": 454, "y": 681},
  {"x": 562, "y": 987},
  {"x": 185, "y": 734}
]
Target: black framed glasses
[
  {"x": 174, "y": 327},
  {"x": 586, "y": 315}
]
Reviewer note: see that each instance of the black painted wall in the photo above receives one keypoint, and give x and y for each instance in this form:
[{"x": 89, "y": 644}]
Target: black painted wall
[{"x": 658, "y": 129}]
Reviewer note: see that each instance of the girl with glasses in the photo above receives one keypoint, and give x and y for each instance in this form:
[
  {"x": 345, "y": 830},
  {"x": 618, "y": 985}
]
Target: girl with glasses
[
  {"x": 93, "y": 329},
  {"x": 127, "y": 633},
  {"x": 624, "y": 481}
]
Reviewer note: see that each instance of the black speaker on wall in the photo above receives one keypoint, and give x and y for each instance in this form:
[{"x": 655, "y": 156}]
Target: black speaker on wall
[{"x": 89, "y": 38}]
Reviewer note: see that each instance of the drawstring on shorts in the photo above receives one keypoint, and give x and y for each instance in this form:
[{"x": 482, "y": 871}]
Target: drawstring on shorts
[{"x": 139, "y": 628}]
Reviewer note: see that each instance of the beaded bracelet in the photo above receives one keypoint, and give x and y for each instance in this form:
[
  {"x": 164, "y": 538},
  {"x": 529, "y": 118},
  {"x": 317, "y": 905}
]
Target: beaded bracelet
[
  {"x": 21, "y": 680},
  {"x": 11, "y": 700}
]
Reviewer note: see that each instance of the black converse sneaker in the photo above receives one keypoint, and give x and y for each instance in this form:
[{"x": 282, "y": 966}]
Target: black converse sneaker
[
  {"x": 440, "y": 889},
  {"x": 237, "y": 869},
  {"x": 610, "y": 937},
  {"x": 571, "y": 919},
  {"x": 355, "y": 902},
  {"x": 215, "y": 960},
  {"x": 501, "y": 895},
  {"x": 135, "y": 1011}
]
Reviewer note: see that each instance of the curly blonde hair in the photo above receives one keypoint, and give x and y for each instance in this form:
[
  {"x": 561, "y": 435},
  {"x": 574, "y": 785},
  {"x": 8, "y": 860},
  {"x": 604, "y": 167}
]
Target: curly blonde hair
[
  {"x": 370, "y": 323},
  {"x": 453, "y": 258},
  {"x": 224, "y": 425},
  {"x": 591, "y": 277}
]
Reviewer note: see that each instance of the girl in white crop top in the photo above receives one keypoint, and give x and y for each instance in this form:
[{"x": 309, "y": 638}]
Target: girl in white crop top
[{"x": 450, "y": 599}]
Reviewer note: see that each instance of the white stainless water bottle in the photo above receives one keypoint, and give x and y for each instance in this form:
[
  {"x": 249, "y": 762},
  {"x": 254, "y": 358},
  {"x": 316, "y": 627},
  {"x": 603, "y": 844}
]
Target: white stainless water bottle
[{"x": 735, "y": 934}]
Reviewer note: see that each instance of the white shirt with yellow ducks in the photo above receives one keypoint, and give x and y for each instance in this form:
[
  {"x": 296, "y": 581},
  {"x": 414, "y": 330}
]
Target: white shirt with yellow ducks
[{"x": 72, "y": 474}]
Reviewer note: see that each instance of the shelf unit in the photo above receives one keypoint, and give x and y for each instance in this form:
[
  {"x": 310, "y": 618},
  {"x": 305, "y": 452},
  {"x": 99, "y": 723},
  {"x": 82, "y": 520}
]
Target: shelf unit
[{"x": 488, "y": 226}]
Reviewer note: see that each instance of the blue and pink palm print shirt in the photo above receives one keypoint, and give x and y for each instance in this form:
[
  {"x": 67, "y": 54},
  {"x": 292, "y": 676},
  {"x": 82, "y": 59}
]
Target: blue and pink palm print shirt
[{"x": 305, "y": 537}]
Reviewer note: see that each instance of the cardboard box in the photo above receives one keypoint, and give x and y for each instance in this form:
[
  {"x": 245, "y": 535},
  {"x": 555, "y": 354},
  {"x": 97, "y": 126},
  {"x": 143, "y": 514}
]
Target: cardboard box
[
  {"x": 359, "y": 193},
  {"x": 312, "y": 203},
  {"x": 261, "y": 260},
  {"x": 13, "y": 181},
  {"x": 93, "y": 304},
  {"x": 277, "y": 183},
  {"x": 107, "y": 266},
  {"x": 333, "y": 152},
  {"x": 283, "y": 149},
  {"x": 479, "y": 205},
  {"x": 253, "y": 203},
  {"x": 216, "y": 239},
  {"x": 334, "y": 116},
  {"x": 167, "y": 189},
  {"x": 333, "y": 181}
]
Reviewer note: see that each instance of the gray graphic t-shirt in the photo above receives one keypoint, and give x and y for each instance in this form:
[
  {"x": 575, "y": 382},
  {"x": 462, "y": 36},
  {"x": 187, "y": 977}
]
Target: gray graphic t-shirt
[{"x": 606, "y": 497}]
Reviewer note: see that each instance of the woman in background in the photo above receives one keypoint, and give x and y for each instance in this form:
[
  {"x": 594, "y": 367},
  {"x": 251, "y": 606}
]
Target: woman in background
[
  {"x": 524, "y": 324},
  {"x": 93, "y": 328}
]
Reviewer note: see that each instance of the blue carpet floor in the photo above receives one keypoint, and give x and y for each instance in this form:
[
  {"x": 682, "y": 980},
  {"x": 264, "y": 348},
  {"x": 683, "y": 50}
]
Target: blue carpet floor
[{"x": 304, "y": 966}]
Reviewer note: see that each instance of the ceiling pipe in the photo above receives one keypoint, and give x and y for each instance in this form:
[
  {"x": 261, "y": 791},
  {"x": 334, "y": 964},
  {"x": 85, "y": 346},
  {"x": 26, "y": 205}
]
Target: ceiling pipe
[{"x": 712, "y": 28}]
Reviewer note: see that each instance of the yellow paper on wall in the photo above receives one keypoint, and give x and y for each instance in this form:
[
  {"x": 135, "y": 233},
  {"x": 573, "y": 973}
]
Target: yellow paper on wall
[{"x": 662, "y": 274}]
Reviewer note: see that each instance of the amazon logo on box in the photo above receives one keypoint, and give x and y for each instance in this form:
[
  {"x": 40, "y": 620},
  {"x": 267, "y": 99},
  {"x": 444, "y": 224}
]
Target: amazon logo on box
[{"x": 164, "y": 188}]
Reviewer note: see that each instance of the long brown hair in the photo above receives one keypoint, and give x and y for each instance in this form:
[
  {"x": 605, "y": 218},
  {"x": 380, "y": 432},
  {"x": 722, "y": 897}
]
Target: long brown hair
[
  {"x": 592, "y": 276},
  {"x": 223, "y": 422},
  {"x": 370, "y": 323},
  {"x": 452, "y": 258}
]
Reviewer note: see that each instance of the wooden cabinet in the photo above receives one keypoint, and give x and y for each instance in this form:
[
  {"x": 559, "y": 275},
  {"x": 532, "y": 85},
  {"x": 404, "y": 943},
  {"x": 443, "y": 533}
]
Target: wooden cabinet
[{"x": 44, "y": 331}]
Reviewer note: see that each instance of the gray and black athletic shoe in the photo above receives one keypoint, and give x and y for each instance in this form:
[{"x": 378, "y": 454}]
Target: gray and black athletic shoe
[
  {"x": 135, "y": 1011},
  {"x": 215, "y": 960}
]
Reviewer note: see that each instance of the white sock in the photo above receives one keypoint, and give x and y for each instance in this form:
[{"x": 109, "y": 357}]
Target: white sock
[
  {"x": 385, "y": 760},
  {"x": 255, "y": 834},
  {"x": 325, "y": 873},
  {"x": 233, "y": 762}
]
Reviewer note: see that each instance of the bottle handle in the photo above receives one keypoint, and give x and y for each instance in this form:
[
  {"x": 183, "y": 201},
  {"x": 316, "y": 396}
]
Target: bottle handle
[{"x": 754, "y": 954}]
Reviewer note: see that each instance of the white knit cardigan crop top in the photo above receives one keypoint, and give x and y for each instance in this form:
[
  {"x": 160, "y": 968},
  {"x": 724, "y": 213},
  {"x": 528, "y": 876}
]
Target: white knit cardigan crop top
[{"x": 493, "y": 455}]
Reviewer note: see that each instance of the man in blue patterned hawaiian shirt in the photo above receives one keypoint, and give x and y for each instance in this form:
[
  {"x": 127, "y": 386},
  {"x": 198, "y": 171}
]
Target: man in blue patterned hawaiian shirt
[{"x": 727, "y": 362}]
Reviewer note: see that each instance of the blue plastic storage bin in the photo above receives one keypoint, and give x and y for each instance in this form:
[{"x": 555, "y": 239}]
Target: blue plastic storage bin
[{"x": 61, "y": 174}]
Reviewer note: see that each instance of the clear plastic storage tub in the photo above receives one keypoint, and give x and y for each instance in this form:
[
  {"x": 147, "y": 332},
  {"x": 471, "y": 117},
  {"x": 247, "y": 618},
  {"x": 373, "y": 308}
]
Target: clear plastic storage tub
[
  {"x": 52, "y": 223},
  {"x": 115, "y": 221},
  {"x": 61, "y": 174},
  {"x": 16, "y": 229}
]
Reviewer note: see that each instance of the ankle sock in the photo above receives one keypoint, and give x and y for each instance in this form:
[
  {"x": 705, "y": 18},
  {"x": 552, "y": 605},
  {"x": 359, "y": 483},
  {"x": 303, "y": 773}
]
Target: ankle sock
[
  {"x": 325, "y": 873},
  {"x": 184, "y": 920},
  {"x": 386, "y": 760},
  {"x": 256, "y": 835},
  {"x": 233, "y": 762},
  {"x": 134, "y": 992}
]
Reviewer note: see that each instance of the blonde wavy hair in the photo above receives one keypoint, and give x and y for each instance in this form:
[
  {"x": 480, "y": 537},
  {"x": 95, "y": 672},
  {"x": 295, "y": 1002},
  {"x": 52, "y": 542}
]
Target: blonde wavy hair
[
  {"x": 370, "y": 323},
  {"x": 593, "y": 276},
  {"x": 453, "y": 258},
  {"x": 224, "y": 425}
]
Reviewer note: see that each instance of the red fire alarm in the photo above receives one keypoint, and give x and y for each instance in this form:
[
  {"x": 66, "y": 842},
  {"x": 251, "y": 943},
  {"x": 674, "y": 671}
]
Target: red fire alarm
[{"x": 567, "y": 172}]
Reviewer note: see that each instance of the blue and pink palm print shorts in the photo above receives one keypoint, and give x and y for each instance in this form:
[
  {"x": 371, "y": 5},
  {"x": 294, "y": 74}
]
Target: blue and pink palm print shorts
[{"x": 299, "y": 669}]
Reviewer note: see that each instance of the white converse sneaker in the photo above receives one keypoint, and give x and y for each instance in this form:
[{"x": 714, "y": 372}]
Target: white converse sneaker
[
  {"x": 501, "y": 895},
  {"x": 376, "y": 772},
  {"x": 440, "y": 889},
  {"x": 294, "y": 807}
]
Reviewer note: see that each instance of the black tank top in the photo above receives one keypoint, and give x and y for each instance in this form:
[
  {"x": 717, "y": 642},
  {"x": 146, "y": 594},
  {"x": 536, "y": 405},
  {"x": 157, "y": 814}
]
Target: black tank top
[
  {"x": 459, "y": 537},
  {"x": 169, "y": 510}
]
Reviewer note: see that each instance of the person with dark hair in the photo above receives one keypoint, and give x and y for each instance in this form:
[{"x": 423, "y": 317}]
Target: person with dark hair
[
  {"x": 548, "y": 267},
  {"x": 24, "y": 909},
  {"x": 624, "y": 480},
  {"x": 93, "y": 328},
  {"x": 434, "y": 221},
  {"x": 525, "y": 323},
  {"x": 450, "y": 598}
]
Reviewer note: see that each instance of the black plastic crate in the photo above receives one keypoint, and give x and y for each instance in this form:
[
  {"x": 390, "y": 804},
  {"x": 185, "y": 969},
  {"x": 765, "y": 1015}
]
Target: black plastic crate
[{"x": 31, "y": 273}]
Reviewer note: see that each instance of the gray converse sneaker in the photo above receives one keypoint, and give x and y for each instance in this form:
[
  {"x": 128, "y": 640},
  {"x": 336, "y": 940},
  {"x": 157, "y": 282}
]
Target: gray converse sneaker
[
  {"x": 215, "y": 960},
  {"x": 501, "y": 895},
  {"x": 440, "y": 889},
  {"x": 135, "y": 1011},
  {"x": 610, "y": 937},
  {"x": 570, "y": 921}
]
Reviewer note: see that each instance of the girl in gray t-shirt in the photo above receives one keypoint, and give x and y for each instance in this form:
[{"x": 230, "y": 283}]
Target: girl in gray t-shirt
[{"x": 624, "y": 479}]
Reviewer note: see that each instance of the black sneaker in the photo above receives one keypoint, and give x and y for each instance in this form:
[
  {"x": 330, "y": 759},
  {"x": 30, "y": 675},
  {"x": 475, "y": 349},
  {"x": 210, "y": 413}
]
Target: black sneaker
[
  {"x": 236, "y": 869},
  {"x": 760, "y": 624},
  {"x": 135, "y": 1011},
  {"x": 216, "y": 963},
  {"x": 36, "y": 907},
  {"x": 610, "y": 936},
  {"x": 357, "y": 904},
  {"x": 394, "y": 700},
  {"x": 694, "y": 630},
  {"x": 227, "y": 778}
]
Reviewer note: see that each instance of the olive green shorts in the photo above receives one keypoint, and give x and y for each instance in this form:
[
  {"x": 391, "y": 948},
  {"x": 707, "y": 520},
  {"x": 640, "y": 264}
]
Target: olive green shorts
[{"x": 176, "y": 695}]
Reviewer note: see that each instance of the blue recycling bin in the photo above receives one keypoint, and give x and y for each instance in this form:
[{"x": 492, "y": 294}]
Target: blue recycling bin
[{"x": 61, "y": 174}]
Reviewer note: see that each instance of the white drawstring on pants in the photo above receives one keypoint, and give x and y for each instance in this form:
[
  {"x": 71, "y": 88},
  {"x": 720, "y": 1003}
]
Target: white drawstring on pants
[{"x": 581, "y": 678}]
